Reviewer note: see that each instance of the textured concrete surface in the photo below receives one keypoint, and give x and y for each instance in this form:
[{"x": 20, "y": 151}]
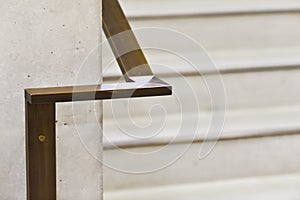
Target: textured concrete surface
[{"x": 44, "y": 43}]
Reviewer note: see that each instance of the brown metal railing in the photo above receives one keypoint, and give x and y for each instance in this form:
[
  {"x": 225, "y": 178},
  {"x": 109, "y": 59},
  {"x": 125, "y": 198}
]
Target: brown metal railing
[{"x": 41, "y": 102}]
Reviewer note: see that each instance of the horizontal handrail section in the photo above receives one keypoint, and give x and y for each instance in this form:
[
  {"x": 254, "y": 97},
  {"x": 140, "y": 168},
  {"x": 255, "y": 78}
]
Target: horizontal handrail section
[{"x": 97, "y": 92}]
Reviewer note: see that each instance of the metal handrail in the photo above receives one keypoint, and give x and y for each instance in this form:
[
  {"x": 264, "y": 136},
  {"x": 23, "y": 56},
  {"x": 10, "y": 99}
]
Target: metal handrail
[{"x": 40, "y": 103}]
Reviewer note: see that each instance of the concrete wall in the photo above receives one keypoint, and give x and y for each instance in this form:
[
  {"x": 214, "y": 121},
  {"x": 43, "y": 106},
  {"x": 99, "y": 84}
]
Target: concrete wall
[{"x": 44, "y": 43}]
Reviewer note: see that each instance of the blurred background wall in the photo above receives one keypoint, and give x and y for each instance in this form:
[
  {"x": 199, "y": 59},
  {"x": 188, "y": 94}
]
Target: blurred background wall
[{"x": 255, "y": 45}]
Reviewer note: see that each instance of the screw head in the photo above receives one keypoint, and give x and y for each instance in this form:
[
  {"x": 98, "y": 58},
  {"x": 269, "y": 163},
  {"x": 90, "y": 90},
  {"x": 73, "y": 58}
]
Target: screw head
[{"x": 42, "y": 138}]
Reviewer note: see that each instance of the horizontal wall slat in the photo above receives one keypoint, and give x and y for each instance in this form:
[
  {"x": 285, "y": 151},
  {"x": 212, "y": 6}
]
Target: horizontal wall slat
[
  {"x": 243, "y": 91},
  {"x": 226, "y": 62},
  {"x": 239, "y": 124},
  {"x": 154, "y": 8},
  {"x": 228, "y": 160},
  {"x": 261, "y": 31},
  {"x": 276, "y": 187}
]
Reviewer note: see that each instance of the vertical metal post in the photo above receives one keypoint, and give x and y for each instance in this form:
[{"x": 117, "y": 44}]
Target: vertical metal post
[{"x": 40, "y": 151}]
